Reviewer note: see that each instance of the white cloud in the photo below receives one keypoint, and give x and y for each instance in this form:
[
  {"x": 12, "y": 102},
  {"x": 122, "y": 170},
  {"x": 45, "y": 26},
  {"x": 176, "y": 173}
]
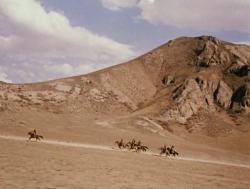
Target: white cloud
[
  {"x": 195, "y": 14},
  {"x": 68, "y": 69},
  {"x": 243, "y": 42},
  {"x": 29, "y": 34},
  {"x": 39, "y": 70},
  {"x": 4, "y": 76}
]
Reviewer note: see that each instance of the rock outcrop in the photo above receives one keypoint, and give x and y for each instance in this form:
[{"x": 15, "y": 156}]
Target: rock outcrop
[
  {"x": 222, "y": 69},
  {"x": 223, "y": 95},
  {"x": 189, "y": 98},
  {"x": 241, "y": 99}
]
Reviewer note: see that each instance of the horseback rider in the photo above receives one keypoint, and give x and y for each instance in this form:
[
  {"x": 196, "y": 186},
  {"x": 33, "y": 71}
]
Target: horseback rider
[
  {"x": 34, "y": 132},
  {"x": 171, "y": 150}
]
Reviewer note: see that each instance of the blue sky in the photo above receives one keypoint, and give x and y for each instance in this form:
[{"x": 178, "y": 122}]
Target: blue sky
[
  {"x": 122, "y": 25},
  {"x": 48, "y": 39}
]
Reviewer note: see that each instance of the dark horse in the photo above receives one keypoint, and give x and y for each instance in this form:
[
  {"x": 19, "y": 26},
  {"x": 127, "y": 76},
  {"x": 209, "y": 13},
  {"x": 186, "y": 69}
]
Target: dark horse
[
  {"x": 32, "y": 134},
  {"x": 120, "y": 144},
  {"x": 168, "y": 151},
  {"x": 141, "y": 148},
  {"x": 172, "y": 151},
  {"x": 164, "y": 150},
  {"x": 131, "y": 145}
]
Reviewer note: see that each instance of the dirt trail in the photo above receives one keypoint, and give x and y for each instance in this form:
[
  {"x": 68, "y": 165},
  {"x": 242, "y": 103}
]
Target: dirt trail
[
  {"x": 102, "y": 147},
  {"x": 61, "y": 143}
]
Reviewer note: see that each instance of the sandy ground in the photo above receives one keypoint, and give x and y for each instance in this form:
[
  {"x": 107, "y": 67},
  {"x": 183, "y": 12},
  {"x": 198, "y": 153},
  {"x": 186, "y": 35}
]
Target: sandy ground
[
  {"x": 55, "y": 164},
  {"x": 110, "y": 148},
  {"x": 80, "y": 152}
]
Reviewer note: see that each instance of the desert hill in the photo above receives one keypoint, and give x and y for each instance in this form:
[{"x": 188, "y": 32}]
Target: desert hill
[
  {"x": 201, "y": 84},
  {"x": 178, "y": 80}
]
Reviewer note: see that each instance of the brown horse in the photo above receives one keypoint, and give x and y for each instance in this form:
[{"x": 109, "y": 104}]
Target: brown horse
[
  {"x": 163, "y": 150},
  {"x": 172, "y": 151},
  {"x": 141, "y": 148},
  {"x": 131, "y": 145},
  {"x": 175, "y": 153},
  {"x": 35, "y": 136},
  {"x": 120, "y": 144},
  {"x": 168, "y": 151}
]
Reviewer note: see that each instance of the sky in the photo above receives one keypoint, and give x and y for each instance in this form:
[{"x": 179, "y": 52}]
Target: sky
[{"x": 49, "y": 39}]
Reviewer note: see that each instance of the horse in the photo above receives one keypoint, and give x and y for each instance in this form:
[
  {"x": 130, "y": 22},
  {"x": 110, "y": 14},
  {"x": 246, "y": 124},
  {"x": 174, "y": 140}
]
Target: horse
[
  {"x": 163, "y": 150},
  {"x": 175, "y": 153},
  {"x": 168, "y": 151},
  {"x": 141, "y": 148},
  {"x": 35, "y": 136},
  {"x": 131, "y": 145},
  {"x": 120, "y": 144}
]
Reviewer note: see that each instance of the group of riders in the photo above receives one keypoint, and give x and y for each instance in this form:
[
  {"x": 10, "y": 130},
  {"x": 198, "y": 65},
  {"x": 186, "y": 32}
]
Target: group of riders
[
  {"x": 137, "y": 146},
  {"x": 131, "y": 145},
  {"x": 168, "y": 151}
]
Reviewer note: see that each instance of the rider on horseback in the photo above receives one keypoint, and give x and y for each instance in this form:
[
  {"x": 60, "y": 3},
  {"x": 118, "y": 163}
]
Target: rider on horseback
[{"x": 34, "y": 132}]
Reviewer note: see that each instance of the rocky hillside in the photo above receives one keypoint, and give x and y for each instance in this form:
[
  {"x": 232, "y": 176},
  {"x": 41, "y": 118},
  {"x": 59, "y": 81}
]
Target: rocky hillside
[{"x": 176, "y": 81}]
